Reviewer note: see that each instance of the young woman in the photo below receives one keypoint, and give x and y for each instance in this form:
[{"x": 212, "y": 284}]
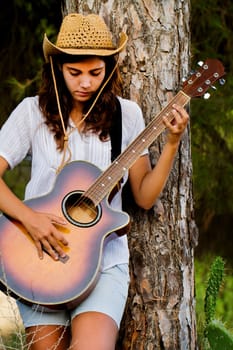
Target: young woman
[{"x": 71, "y": 119}]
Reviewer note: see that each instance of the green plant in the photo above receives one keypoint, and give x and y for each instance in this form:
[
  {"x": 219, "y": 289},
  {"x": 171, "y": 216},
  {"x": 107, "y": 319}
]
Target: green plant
[
  {"x": 213, "y": 286},
  {"x": 218, "y": 336},
  {"x": 13, "y": 341}
]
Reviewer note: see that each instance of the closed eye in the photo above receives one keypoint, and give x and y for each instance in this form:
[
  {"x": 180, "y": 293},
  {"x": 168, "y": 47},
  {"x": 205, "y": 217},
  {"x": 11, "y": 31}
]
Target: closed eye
[
  {"x": 74, "y": 72},
  {"x": 96, "y": 72}
]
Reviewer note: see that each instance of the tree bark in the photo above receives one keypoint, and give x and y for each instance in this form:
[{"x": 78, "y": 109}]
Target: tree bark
[{"x": 160, "y": 312}]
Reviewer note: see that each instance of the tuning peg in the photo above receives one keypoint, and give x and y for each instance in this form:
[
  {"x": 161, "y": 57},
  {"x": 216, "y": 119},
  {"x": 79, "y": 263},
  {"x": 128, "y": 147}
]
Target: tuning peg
[
  {"x": 192, "y": 72},
  {"x": 206, "y": 96},
  {"x": 222, "y": 81},
  {"x": 213, "y": 87},
  {"x": 200, "y": 63}
]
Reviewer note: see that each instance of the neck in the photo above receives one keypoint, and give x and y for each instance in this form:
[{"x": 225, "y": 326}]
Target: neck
[{"x": 77, "y": 117}]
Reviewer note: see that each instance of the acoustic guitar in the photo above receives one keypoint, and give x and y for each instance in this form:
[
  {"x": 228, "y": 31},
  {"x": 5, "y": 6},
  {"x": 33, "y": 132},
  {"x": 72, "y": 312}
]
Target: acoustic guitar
[{"x": 81, "y": 196}]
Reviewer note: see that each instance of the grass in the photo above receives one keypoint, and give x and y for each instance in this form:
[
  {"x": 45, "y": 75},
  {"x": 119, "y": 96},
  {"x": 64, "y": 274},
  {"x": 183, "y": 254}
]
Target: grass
[{"x": 14, "y": 341}]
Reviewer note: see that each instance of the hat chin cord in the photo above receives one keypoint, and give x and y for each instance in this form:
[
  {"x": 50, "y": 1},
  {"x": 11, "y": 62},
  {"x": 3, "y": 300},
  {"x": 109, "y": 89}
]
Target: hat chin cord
[{"x": 66, "y": 148}]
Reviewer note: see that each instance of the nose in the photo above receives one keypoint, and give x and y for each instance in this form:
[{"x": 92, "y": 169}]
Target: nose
[{"x": 85, "y": 82}]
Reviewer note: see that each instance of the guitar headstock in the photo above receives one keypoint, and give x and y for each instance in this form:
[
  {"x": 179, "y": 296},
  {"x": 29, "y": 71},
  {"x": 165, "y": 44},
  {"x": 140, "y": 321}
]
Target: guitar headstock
[{"x": 200, "y": 81}]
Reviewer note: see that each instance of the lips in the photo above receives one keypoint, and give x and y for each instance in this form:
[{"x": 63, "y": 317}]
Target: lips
[{"x": 82, "y": 93}]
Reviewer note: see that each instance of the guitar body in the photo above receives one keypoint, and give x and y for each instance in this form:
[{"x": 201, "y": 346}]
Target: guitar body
[{"x": 64, "y": 283}]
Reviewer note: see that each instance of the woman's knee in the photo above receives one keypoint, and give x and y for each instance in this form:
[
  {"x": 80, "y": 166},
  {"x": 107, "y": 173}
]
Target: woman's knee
[{"x": 93, "y": 331}]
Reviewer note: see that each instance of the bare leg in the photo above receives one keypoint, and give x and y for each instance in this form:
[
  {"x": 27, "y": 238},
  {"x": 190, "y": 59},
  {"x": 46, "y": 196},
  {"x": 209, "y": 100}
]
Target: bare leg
[
  {"x": 93, "y": 331},
  {"x": 50, "y": 337}
]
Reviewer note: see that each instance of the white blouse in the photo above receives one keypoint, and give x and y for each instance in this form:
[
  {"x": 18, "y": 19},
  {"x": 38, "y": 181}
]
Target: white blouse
[{"x": 26, "y": 133}]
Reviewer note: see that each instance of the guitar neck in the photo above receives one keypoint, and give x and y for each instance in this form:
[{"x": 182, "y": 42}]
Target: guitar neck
[{"x": 112, "y": 175}]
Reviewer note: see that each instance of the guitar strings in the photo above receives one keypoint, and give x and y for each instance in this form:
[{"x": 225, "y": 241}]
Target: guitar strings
[
  {"x": 99, "y": 187},
  {"x": 182, "y": 97}
]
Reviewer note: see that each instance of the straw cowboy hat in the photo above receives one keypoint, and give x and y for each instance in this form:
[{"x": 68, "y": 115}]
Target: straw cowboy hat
[{"x": 83, "y": 35}]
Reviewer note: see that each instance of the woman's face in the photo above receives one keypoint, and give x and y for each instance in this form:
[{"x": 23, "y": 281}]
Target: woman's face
[{"x": 84, "y": 78}]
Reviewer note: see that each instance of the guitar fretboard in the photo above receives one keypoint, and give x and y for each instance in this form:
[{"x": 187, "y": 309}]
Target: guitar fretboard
[{"x": 110, "y": 177}]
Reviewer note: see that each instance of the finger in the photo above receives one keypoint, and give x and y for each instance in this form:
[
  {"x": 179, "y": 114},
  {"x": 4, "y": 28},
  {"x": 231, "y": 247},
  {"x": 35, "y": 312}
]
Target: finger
[
  {"x": 177, "y": 117},
  {"x": 166, "y": 122},
  {"x": 178, "y": 108},
  {"x": 59, "y": 237},
  {"x": 57, "y": 219},
  {"x": 181, "y": 111},
  {"x": 64, "y": 241},
  {"x": 39, "y": 249},
  {"x": 176, "y": 114},
  {"x": 48, "y": 248},
  {"x": 54, "y": 243},
  {"x": 171, "y": 125}
]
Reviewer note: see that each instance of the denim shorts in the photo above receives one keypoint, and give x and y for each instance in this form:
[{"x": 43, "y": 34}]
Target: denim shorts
[{"x": 109, "y": 297}]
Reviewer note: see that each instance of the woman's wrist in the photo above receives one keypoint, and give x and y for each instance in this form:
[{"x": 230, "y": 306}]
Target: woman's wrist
[
  {"x": 173, "y": 140},
  {"x": 24, "y": 214}
]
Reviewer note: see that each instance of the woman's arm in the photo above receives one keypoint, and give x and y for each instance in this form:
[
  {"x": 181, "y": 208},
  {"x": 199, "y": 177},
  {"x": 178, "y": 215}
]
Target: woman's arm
[
  {"x": 147, "y": 183},
  {"x": 40, "y": 226}
]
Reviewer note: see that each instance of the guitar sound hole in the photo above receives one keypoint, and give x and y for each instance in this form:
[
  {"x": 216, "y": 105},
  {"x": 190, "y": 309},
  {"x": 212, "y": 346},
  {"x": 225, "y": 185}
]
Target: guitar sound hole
[{"x": 80, "y": 210}]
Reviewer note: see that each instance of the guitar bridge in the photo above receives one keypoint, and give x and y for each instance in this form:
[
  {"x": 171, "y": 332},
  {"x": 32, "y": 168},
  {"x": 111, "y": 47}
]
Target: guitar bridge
[{"x": 63, "y": 259}]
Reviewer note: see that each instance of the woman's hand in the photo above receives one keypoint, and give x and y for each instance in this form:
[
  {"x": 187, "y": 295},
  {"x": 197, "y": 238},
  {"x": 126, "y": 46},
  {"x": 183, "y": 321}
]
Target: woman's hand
[
  {"x": 147, "y": 183},
  {"x": 177, "y": 126},
  {"x": 47, "y": 238}
]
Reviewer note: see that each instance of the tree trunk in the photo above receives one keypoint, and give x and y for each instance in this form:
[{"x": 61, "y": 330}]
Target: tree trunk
[{"x": 160, "y": 312}]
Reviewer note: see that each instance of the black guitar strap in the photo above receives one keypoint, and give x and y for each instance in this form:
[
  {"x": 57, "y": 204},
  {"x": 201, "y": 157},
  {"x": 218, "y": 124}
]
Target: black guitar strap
[
  {"x": 116, "y": 139},
  {"x": 116, "y": 132}
]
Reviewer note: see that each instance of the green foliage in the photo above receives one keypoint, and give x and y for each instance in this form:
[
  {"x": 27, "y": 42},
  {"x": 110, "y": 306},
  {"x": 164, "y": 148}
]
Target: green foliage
[
  {"x": 218, "y": 336},
  {"x": 13, "y": 341},
  {"x": 20, "y": 89},
  {"x": 23, "y": 24},
  {"x": 18, "y": 177},
  {"x": 211, "y": 120},
  {"x": 213, "y": 287}
]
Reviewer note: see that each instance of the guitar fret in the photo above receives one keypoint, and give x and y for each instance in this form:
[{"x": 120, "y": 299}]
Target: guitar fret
[
  {"x": 107, "y": 180},
  {"x": 118, "y": 168}
]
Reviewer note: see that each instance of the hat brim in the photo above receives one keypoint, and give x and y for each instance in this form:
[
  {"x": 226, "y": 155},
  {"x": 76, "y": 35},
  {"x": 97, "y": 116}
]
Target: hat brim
[{"x": 51, "y": 49}]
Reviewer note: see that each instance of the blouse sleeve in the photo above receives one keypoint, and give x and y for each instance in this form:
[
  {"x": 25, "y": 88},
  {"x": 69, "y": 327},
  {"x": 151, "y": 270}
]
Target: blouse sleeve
[
  {"x": 133, "y": 122},
  {"x": 15, "y": 134}
]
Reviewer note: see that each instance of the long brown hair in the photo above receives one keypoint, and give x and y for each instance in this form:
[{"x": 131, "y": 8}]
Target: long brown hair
[{"x": 100, "y": 118}]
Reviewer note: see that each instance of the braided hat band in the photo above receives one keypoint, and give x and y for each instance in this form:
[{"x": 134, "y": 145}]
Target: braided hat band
[{"x": 83, "y": 35}]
